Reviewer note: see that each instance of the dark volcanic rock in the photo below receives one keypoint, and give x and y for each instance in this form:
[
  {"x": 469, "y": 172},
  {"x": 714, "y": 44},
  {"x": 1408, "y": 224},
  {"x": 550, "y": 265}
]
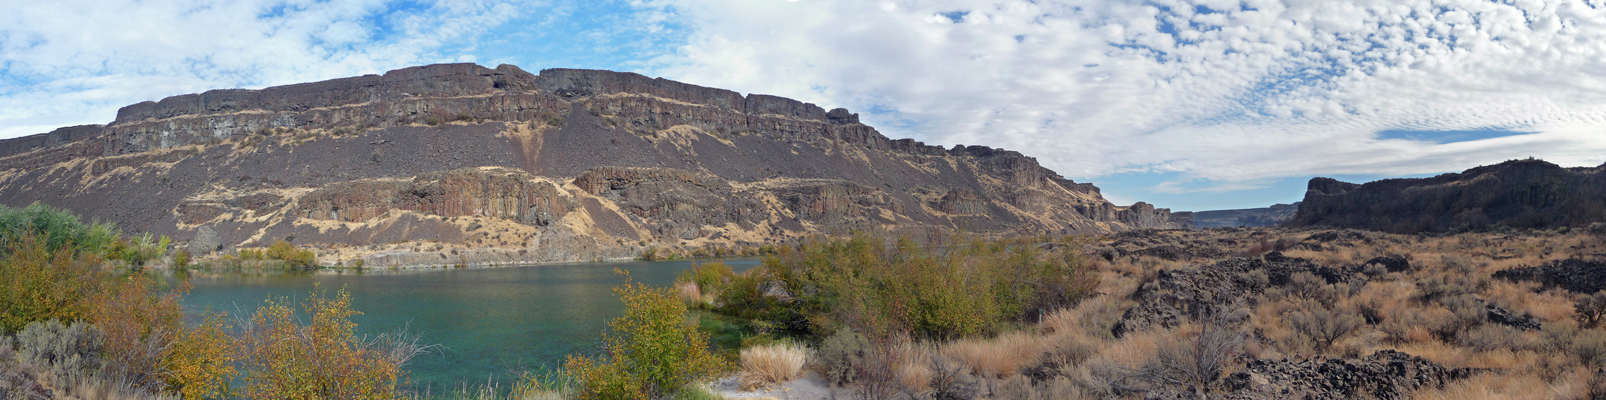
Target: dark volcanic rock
[
  {"x": 1384, "y": 375},
  {"x": 1505, "y": 317},
  {"x": 1391, "y": 263},
  {"x": 512, "y": 195},
  {"x": 1519, "y": 193},
  {"x": 1175, "y": 295},
  {"x": 1575, "y": 275}
]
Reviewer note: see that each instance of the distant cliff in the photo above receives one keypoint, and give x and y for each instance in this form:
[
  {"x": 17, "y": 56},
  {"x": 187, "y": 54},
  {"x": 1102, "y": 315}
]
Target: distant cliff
[
  {"x": 1251, "y": 217},
  {"x": 1519, "y": 194},
  {"x": 458, "y": 163}
]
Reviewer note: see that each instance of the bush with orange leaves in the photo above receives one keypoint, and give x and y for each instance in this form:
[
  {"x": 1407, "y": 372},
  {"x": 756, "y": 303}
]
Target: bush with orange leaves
[
  {"x": 283, "y": 357},
  {"x": 42, "y": 283},
  {"x": 140, "y": 326}
]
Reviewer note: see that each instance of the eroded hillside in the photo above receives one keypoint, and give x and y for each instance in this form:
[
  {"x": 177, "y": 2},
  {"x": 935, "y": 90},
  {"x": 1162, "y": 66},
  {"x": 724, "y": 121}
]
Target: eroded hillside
[{"x": 451, "y": 164}]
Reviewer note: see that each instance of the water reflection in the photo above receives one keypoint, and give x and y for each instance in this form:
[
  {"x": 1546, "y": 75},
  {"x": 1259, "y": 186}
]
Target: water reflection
[{"x": 489, "y": 321}]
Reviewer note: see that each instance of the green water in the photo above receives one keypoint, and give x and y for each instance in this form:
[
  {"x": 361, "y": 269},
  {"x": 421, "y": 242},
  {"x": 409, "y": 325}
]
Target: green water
[{"x": 489, "y": 322}]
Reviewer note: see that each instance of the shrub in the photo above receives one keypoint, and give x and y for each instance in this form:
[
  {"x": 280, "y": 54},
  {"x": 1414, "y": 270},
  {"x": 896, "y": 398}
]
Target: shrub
[
  {"x": 1322, "y": 326},
  {"x": 877, "y": 377},
  {"x": 42, "y": 284},
  {"x": 1466, "y": 312},
  {"x": 842, "y": 354},
  {"x": 293, "y": 258},
  {"x": 950, "y": 382},
  {"x": 1492, "y": 337},
  {"x": 1308, "y": 286},
  {"x": 200, "y": 361},
  {"x": 1589, "y": 345},
  {"x": 1597, "y": 229},
  {"x": 1198, "y": 361},
  {"x": 650, "y": 350},
  {"x": 650, "y": 254},
  {"x": 72, "y": 352},
  {"x": 771, "y": 364},
  {"x": 283, "y": 358},
  {"x": 599, "y": 380},
  {"x": 140, "y": 325},
  {"x": 140, "y": 250},
  {"x": 55, "y": 227},
  {"x": 879, "y": 291},
  {"x": 710, "y": 278},
  {"x": 1590, "y": 310},
  {"x": 181, "y": 258}
]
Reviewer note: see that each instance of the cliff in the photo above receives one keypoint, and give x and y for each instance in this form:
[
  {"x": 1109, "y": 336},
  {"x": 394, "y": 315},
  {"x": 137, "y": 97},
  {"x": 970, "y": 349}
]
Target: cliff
[
  {"x": 460, "y": 163},
  {"x": 1248, "y": 217},
  {"x": 1518, "y": 193}
]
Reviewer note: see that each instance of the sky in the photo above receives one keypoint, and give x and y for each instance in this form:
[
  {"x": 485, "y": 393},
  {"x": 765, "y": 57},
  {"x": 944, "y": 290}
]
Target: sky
[{"x": 1189, "y": 105}]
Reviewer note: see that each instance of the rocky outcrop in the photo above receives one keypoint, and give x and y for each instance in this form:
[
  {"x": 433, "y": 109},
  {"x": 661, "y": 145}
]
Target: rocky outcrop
[
  {"x": 1518, "y": 194},
  {"x": 1176, "y": 295},
  {"x": 56, "y": 138},
  {"x": 1249, "y": 217},
  {"x": 514, "y": 196},
  {"x": 1577, "y": 276},
  {"x": 1384, "y": 375},
  {"x": 962, "y": 201},
  {"x": 674, "y": 204},
  {"x": 576, "y": 163}
]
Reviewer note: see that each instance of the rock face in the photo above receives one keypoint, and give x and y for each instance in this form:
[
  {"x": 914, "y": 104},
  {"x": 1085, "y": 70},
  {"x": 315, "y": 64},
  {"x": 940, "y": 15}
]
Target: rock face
[
  {"x": 1249, "y": 217},
  {"x": 450, "y": 164},
  {"x": 1518, "y": 194}
]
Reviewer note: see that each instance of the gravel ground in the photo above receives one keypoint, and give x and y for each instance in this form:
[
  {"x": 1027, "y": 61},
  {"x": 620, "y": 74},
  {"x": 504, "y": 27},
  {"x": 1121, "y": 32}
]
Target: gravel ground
[{"x": 810, "y": 387}]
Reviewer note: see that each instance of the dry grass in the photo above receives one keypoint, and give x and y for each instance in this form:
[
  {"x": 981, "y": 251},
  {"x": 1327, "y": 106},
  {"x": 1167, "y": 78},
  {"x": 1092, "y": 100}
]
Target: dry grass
[
  {"x": 773, "y": 364},
  {"x": 689, "y": 292},
  {"x": 1502, "y": 386},
  {"x": 1131, "y": 351},
  {"x": 913, "y": 370},
  {"x": 1003, "y": 356}
]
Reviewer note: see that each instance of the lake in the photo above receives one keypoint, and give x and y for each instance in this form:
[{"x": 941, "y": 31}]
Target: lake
[{"x": 489, "y": 322}]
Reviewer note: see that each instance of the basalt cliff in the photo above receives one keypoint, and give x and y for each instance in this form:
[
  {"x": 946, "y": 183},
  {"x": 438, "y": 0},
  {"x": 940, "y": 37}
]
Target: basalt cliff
[
  {"x": 461, "y": 164},
  {"x": 1248, "y": 217},
  {"x": 1527, "y": 194}
]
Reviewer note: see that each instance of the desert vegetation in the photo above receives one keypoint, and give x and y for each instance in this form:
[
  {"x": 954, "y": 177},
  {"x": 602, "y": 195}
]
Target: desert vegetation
[
  {"x": 1228, "y": 313},
  {"x": 1234, "y": 313},
  {"x": 77, "y": 321}
]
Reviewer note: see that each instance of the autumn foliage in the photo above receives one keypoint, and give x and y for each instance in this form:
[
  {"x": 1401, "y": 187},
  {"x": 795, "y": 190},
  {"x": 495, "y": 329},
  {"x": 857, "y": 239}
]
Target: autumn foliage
[{"x": 649, "y": 352}]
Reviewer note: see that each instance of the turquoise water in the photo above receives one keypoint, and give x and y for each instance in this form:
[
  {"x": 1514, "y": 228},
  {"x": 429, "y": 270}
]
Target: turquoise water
[{"x": 488, "y": 322}]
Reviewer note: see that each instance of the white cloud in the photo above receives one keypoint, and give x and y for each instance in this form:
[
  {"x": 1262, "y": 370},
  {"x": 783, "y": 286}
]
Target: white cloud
[
  {"x": 76, "y": 61},
  {"x": 1221, "y": 95},
  {"x": 1236, "y": 93}
]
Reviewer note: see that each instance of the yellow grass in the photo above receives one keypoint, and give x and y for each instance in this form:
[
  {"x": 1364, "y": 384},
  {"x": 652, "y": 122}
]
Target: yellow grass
[
  {"x": 1002, "y": 356},
  {"x": 767, "y": 365},
  {"x": 689, "y": 292},
  {"x": 914, "y": 370},
  {"x": 1498, "y": 386},
  {"x": 1131, "y": 351}
]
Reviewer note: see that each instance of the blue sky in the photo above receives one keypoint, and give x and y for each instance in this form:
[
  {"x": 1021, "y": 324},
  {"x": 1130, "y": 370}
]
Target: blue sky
[{"x": 1191, "y": 105}]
